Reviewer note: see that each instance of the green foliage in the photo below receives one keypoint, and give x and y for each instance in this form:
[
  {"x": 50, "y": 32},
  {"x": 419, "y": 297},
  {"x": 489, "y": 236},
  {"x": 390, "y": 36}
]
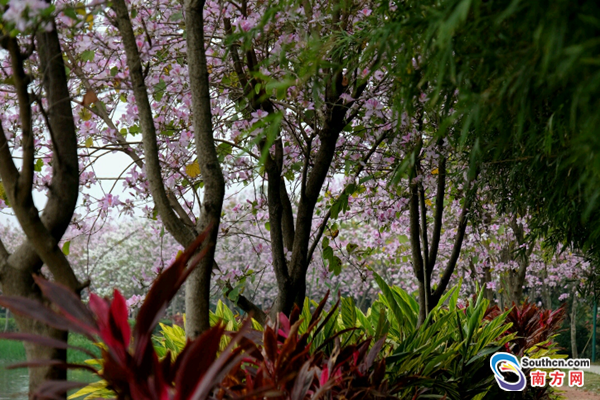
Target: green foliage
[
  {"x": 14, "y": 351},
  {"x": 12, "y": 325},
  {"x": 11, "y": 350},
  {"x": 516, "y": 84},
  {"x": 451, "y": 348},
  {"x": 449, "y": 353},
  {"x": 77, "y": 357}
]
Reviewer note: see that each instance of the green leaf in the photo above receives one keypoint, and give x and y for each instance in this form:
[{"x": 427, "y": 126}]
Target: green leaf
[
  {"x": 223, "y": 150},
  {"x": 335, "y": 265},
  {"x": 88, "y": 55},
  {"x": 268, "y": 226},
  {"x": 350, "y": 247},
  {"x": 348, "y": 312},
  {"x": 114, "y": 71},
  {"x": 66, "y": 248},
  {"x": 389, "y": 296},
  {"x": 159, "y": 90},
  {"x": 178, "y": 16},
  {"x": 325, "y": 242},
  {"x": 402, "y": 239},
  {"x": 70, "y": 12},
  {"x": 38, "y": 165},
  {"x": 328, "y": 253},
  {"x": 234, "y": 294}
]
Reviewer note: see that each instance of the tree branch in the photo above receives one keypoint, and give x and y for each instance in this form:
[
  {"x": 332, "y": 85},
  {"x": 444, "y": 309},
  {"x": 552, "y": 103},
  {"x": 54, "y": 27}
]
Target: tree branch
[
  {"x": 439, "y": 213},
  {"x": 180, "y": 231},
  {"x": 359, "y": 169},
  {"x": 460, "y": 235}
]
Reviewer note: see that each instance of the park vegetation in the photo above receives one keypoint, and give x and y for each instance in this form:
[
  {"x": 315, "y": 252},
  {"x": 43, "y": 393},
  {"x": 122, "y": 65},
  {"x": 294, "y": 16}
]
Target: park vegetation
[{"x": 361, "y": 199}]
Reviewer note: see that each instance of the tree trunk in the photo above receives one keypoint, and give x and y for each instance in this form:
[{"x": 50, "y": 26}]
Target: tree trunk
[
  {"x": 20, "y": 283},
  {"x": 7, "y": 315},
  {"x": 516, "y": 277},
  {"x": 197, "y": 293},
  {"x": 424, "y": 255},
  {"x": 43, "y": 231},
  {"x": 175, "y": 219},
  {"x": 574, "y": 352}
]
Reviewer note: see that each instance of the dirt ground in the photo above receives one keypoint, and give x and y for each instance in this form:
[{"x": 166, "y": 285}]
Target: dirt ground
[{"x": 578, "y": 394}]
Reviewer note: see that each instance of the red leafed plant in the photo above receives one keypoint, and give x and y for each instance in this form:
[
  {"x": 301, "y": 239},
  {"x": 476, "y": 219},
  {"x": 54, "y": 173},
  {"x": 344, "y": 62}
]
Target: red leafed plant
[
  {"x": 131, "y": 366},
  {"x": 285, "y": 363},
  {"x": 531, "y": 324},
  {"x": 277, "y": 364}
]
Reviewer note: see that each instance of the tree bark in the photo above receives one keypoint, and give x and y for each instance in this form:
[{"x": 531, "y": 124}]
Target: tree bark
[
  {"x": 574, "y": 352},
  {"x": 516, "y": 277},
  {"x": 424, "y": 255},
  {"x": 43, "y": 232},
  {"x": 198, "y": 284},
  {"x": 197, "y": 297}
]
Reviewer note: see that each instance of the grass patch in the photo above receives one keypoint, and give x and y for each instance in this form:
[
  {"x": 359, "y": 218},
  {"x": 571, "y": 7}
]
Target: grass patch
[
  {"x": 591, "y": 382},
  {"x": 11, "y": 350},
  {"x": 77, "y": 357}
]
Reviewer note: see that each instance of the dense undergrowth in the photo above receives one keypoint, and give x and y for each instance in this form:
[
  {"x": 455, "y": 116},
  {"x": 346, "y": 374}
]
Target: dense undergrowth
[{"x": 340, "y": 353}]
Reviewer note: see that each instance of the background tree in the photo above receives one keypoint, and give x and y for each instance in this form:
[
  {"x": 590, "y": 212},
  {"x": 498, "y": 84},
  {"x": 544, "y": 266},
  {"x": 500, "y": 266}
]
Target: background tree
[
  {"x": 34, "y": 63},
  {"x": 518, "y": 81}
]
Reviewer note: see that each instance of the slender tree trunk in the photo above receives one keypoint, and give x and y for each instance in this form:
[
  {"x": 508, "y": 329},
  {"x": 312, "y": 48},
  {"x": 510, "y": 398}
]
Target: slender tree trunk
[
  {"x": 43, "y": 230},
  {"x": 197, "y": 292},
  {"x": 574, "y": 352},
  {"x": 175, "y": 219}
]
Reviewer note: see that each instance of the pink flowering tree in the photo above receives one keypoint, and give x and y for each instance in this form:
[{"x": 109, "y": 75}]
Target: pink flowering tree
[
  {"x": 37, "y": 129},
  {"x": 282, "y": 126}
]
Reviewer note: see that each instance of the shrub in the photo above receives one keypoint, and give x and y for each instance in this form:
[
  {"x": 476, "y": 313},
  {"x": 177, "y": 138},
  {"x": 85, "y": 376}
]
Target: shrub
[
  {"x": 534, "y": 331},
  {"x": 277, "y": 363}
]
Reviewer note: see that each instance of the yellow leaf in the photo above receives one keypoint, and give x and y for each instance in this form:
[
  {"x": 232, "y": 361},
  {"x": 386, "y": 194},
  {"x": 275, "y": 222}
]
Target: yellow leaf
[
  {"x": 193, "y": 169},
  {"x": 335, "y": 233},
  {"x": 435, "y": 172},
  {"x": 89, "y": 142},
  {"x": 89, "y": 18},
  {"x": 428, "y": 202},
  {"x": 85, "y": 114}
]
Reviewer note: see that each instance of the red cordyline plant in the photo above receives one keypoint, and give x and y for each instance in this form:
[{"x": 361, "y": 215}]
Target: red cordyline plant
[
  {"x": 284, "y": 361},
  {"x": 278, "y": 365},
  {"x": 531, "y": 324},
  {"x": 534, "y": 329}
]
